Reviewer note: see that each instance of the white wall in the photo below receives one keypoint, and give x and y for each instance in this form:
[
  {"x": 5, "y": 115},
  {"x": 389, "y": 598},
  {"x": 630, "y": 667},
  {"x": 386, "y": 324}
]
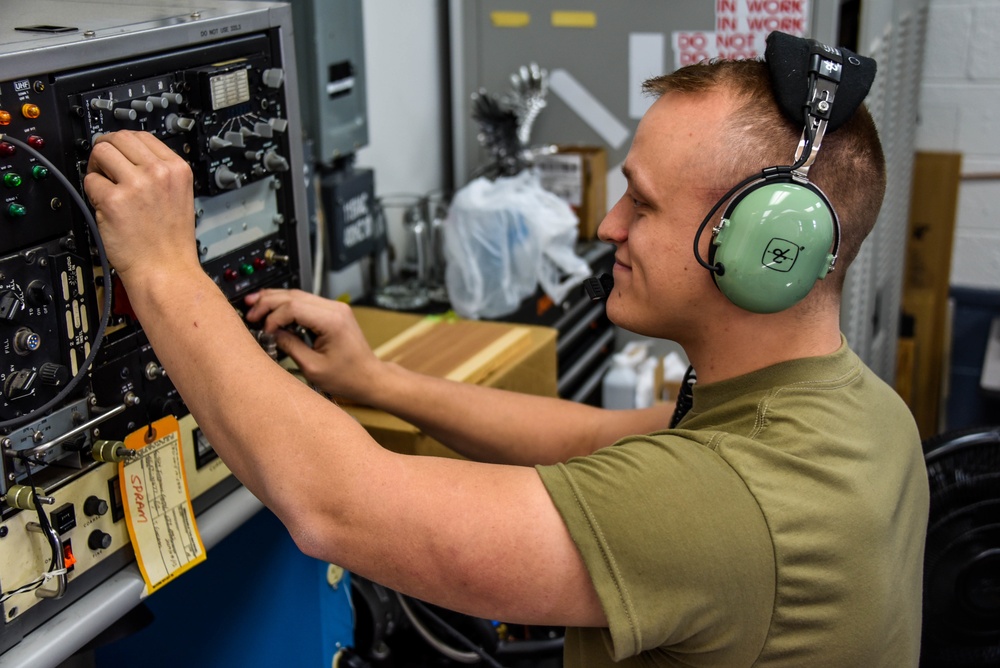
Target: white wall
[
  {"x": 960, "y": 111},
  {"x": 403, "y": 51}
]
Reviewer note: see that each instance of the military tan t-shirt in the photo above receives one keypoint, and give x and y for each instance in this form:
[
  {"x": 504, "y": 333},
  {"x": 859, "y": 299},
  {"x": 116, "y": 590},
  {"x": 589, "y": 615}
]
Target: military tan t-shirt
[{"x": 781, "y": 524}]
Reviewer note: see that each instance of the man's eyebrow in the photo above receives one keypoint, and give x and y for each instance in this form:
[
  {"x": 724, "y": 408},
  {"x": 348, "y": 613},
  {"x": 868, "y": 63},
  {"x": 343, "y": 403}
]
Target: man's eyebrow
[{"x": 633, "y": 183}]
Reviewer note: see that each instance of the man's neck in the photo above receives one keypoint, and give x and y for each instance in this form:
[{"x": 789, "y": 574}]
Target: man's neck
[{"x": 743, "y": 345}]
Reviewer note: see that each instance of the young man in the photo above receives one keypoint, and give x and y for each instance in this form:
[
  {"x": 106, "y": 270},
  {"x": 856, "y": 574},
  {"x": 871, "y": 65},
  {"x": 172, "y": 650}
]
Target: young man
[{"x": 781, "y": 524}]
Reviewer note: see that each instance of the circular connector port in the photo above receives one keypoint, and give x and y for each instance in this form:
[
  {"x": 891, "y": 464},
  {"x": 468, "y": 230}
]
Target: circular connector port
[{"x": 26, "y": 341}]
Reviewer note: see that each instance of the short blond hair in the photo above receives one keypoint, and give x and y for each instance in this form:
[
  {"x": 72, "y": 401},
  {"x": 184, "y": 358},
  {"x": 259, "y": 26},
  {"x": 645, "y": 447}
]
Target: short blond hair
[{"x": 850, "y": 166}]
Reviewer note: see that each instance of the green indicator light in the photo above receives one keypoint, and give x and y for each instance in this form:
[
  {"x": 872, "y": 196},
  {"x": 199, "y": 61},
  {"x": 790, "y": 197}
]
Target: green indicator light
[
  {"x": 16, "y": 210},
  {"x": 246, "y": 269},
  {"x": 11, "y": 180},
  {"x": 39, "y": 172}
]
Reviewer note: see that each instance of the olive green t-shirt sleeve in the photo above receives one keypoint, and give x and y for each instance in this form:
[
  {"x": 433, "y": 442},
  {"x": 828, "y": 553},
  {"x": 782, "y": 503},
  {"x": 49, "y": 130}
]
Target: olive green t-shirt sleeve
[{"x": 675, "y": 544}]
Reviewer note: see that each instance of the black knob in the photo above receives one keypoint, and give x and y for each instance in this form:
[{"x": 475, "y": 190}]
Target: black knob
[
  {"x": 54, "y": 375},
  {"x": 95, "y": 506},
  {"x": 10, "y": 305},
  {"x": 20, "y": 384},
  {"x": 38, "y": 294},
  {"x": 99, "y": 540}
]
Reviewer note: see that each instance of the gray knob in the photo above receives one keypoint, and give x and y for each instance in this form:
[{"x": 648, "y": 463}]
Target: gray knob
[
  {"x": 143, "y": 106},
  {"x": 273, "y": 77},
  {"x": 177, "y": 124},
  {"x": 216, "y": 143},
  {"x": 227, "y": 179},
  {"x": 234, "y": 139},
  {"x": 123, "y": 114},
  {"x": 101, "y": 103},
  {"x": 274, "y": 162}
]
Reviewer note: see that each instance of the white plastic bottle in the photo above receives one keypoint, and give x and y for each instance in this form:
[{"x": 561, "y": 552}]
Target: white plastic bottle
[
  {"x": 645, "y": 386},
  {"x": 619, "y": 383}
]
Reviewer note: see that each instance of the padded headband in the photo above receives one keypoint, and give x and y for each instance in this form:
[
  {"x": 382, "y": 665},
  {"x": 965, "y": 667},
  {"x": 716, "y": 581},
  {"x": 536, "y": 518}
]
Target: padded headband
[{"x": 791, "y": 63}]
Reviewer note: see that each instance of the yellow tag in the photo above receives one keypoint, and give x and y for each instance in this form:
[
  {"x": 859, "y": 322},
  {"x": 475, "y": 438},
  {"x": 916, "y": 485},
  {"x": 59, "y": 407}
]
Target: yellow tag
[{"x": 158, "y": 509}]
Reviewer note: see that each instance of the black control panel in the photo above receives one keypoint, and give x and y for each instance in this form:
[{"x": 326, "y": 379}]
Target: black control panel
[{"x": 77, "y": 373}]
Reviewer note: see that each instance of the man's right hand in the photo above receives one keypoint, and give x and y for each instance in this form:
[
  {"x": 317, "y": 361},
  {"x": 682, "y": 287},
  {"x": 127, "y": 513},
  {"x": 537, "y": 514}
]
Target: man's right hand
[{"x": 340, "y": 361}]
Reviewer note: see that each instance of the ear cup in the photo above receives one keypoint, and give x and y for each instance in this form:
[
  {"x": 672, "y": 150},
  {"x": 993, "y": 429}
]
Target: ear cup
[{"x": 772, "y": 245}]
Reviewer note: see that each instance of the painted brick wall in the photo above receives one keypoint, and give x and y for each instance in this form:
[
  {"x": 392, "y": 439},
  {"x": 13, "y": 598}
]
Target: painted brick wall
[{"x": 960, "y": 111}]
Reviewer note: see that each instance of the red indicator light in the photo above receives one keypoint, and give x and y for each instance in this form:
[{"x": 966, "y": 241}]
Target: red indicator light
[
  {"x": 7, "y": 149},
  {"x": 230, "y": 274},
  {"x": 259, "y": 263},
  {"x": 4, "y": 117},
  {"x": 31, "y": 110},
  {"x": 36, "y": 142}
]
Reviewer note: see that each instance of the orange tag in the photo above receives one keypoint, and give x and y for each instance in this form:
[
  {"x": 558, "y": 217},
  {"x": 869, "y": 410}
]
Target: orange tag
[{"x": 158, "y": 509}]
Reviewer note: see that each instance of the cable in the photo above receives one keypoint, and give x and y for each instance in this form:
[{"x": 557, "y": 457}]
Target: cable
[
  {"x": 43, "y": 522},
  {"x": 474, "y": 656},
  {"x": 718, "y": 268},
  {"x": 105, "y": 267}
]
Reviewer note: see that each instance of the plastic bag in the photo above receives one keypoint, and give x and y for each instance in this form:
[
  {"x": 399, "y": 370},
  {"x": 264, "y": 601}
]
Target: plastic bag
[{"x": 504, "y": 238}]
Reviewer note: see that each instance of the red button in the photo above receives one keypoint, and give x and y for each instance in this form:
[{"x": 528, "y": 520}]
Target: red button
[
  {"x": 34, "y": 141},
  {"x": 259, "y": 263},
  {"x": 7, "y": 149},
  {"x": 230, "y": 274}
]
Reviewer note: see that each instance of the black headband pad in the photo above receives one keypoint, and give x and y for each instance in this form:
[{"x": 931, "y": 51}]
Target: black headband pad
[{"x": 787, "y": 59}]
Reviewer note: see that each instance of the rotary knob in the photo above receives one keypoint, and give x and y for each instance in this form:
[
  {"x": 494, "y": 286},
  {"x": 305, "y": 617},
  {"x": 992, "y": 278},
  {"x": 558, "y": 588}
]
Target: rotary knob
[
  {"x": 95, "y": 506},
  {"x": 227, "y": 179},
  {"x": 99, "y": 540},
  {"x": 275, "y": 162},
  {"x": 177, "y": 124},
  {"x": 38, "y": 294},
  {"x": 53, "y": 375},
  {"x": 11, "y": 305}
]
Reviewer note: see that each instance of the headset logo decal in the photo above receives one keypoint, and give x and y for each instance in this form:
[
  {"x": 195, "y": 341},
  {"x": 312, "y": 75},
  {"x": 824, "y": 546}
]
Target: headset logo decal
[{"x": 780, "y": 255}]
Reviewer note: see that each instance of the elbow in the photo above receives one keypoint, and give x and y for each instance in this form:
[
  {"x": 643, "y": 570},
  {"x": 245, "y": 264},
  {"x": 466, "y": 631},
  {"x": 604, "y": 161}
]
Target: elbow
[{"x": 310, "y": 536}]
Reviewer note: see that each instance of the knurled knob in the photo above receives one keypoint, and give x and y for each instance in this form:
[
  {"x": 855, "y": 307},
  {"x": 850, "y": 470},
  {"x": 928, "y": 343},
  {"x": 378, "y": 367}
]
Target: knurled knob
[{"x": 52, "y": 374}]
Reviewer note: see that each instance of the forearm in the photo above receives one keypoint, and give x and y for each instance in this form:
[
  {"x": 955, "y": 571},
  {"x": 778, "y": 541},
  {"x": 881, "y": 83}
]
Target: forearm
[
  {"x": 487, "y": 424},
  {"x": 226, "y": 379}
]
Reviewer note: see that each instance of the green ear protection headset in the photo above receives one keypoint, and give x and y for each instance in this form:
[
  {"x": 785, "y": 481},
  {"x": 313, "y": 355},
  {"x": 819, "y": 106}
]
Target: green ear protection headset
[{"x": 779, "y": 233}]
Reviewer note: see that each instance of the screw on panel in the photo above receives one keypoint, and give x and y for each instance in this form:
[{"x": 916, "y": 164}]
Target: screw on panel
[
  {"x": 3, "y": 532},
  {"x": 89, "y": 33}
]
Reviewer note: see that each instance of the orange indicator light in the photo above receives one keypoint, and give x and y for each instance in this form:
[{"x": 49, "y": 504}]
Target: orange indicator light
[
  {"x": 4, "y": 117},
  {"x": 31, "y": 110}
]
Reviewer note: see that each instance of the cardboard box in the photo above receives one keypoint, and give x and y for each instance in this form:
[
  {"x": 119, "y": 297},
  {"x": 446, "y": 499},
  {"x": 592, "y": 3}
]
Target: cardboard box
[
  {"x": 531, "y": 370},
  {"x": 579, "y": 175}
]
